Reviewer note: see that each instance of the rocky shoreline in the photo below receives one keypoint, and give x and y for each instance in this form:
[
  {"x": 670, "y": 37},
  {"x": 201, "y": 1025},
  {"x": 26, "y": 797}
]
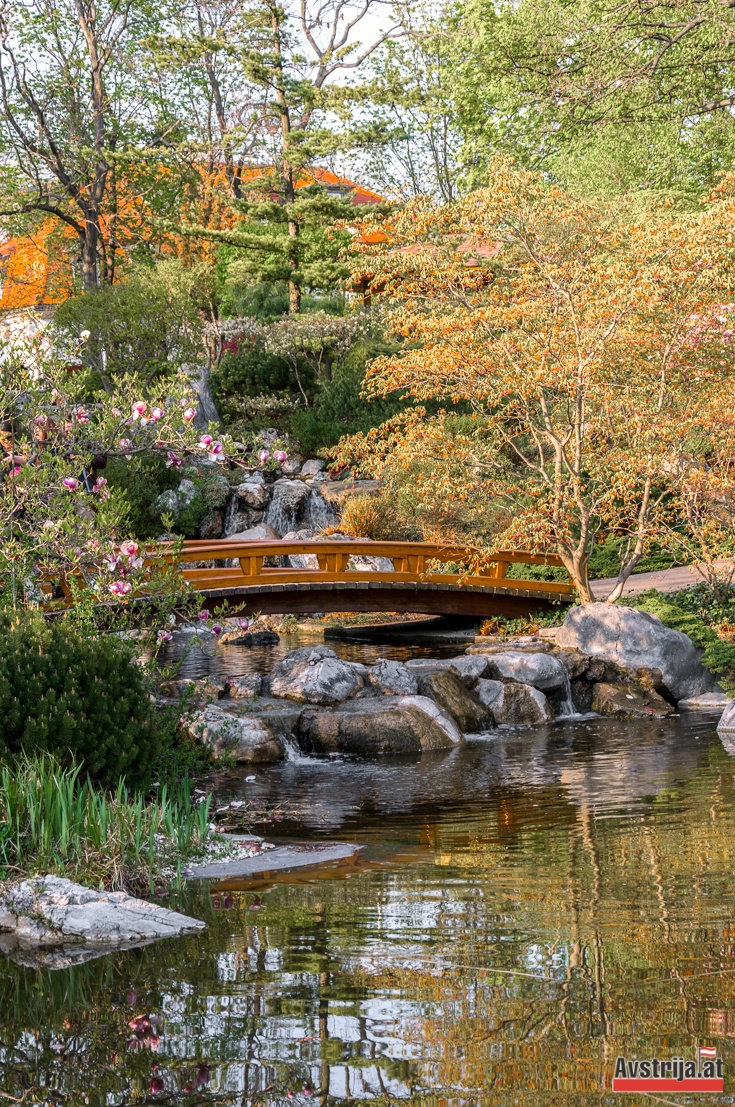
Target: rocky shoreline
[{"x": 606, "y": 659}]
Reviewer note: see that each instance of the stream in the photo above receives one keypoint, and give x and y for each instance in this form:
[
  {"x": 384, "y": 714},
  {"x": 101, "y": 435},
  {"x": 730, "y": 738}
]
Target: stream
[{"x": 524, "y": 910}]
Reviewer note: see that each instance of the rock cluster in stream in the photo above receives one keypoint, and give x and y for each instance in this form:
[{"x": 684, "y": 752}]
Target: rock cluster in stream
[{"x": 314, "y": 702}]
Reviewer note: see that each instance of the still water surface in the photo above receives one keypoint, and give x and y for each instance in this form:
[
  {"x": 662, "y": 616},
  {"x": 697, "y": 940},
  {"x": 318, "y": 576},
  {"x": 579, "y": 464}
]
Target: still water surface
[{"x": 524, "y": 910}]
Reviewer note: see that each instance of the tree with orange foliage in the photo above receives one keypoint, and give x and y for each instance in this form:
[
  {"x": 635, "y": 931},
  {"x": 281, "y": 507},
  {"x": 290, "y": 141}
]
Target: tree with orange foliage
[{"x": 580, "y": 353}]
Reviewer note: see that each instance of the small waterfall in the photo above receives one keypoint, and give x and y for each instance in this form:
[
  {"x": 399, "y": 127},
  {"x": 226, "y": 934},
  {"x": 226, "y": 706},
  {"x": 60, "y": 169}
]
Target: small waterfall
[
  {"x": 280, "y": 516},
  {"x": 318, "y": 514},
  {"x": 230, "y": 513},
  {"x": 566, "y": 706},
  {"x": 291, "y": 749}
]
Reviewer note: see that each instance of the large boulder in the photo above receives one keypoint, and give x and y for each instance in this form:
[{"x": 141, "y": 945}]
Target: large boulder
[
  {"x": 313, "y": 467},
  {"x": 726, "y": 724},
  {"x": 50, "y": 910},
  {"x": 629, "y": 700},
  {"x": 393, "y": 677},
  {"x": 541, "y": 670},
  {"x": 372, "y": 727},
  {"x": 245, "y": 739},
  {"x": 514, "y": 704},
  {"x": 252, "y": 494},
  {"x": 634, "y": 640},
  {"x": 445, "y": 687},
  {"x": 314, "y": 674},
  {"x": 245, "y": 687}
]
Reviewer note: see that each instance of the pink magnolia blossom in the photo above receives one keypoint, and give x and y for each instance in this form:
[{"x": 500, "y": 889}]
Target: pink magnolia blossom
[
  {"x": 206, "y": 440},
  {"x": 203, "y": 615},
  {"x": 189, "y": 414},
  {"x": 15, "y": 470},
  {"x": 126, "y": 444},
  {"x": 116, "y": 412},
  {"x": 129, "y": 548},
  {"x": 71, "y": 483},
  {"x": 120, "y": 587},
  {"x": 217, "y": 449},
  {"x": 164, "y": 636},
  {"x": 263, "y": 456},
  {"x": 111, "y": 562},
  {"x": 157, "y": 413},
  {"x": 216, "y": 629},
  {"x": 280, "y": 456},
  {"x": 139, "y": 409},
  {"x": 243, "y": 623},
  {"x": 82, "y": 416},
  {"x": 174, "y": 462}
]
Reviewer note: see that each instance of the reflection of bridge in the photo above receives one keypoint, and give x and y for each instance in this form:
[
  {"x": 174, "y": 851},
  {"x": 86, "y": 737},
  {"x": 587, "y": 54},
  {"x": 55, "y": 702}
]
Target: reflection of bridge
[{"x": 425, "y": 578}]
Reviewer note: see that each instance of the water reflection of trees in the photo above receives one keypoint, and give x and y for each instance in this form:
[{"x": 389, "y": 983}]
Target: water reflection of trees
[{"x": 531, "y": 947}]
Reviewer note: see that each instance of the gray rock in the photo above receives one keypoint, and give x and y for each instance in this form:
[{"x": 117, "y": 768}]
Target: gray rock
[
  {"x": 235, "y": 635},
  {"x": 394, "y": 678},
  {"x": 288, "y": 502},
  {"x": 514, "y": 704},
  {"x": 212, "y": 525},
  {"x": 541, "y": 670},
  {"x": 252, "y": 493},
  {"x": 575, "y": 662},
  {"x": 245, "y": 687},
  {"x": 366, "y": 563},
  {"x": 629, "y": 701},
  {"x": 50, "y": 910},
  {"x": 371, "y": 727},
  {"x": 445, "y": 687},
  {"x": 726, "y": 724},
  {"x": 247, "y": 739},
  {"x": 708, "y": 701},
  {"x": 262, "y": 533},
  {"x": 315, "y": 675},
  {"x": 313, "y": 466},
  {"x": 635, "y": 640},
  {"x": 291, "y": 466},
  {"x": 469, "y": 667}
]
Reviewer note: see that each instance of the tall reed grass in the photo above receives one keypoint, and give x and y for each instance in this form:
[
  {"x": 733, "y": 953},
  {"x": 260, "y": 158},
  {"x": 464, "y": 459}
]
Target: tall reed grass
[{"x": 53, "y": 820}]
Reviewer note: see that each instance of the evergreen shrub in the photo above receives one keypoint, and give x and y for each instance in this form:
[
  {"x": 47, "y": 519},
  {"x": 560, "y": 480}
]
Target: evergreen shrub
[{"x": 82, "y": 699}]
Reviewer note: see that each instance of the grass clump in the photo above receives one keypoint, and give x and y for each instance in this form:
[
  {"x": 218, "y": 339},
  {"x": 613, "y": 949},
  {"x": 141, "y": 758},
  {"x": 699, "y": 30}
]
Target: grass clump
[{"x": 54, "y": 820}]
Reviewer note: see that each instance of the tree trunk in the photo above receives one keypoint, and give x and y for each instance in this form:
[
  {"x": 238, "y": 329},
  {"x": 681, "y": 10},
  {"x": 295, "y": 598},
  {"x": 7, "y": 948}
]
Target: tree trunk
[{"x": 90, "y": 242}]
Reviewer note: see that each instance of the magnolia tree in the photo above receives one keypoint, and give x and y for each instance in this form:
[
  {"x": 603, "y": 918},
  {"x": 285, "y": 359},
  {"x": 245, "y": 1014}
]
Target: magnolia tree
[
  {"x": 61, "y": 524},
  {"x": 580, "y": 357}
]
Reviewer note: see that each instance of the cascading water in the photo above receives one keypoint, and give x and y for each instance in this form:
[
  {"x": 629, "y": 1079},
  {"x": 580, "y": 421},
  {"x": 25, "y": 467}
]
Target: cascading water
[
  {"x": 318, "y": 514},
  {"x": 566, "y": 708}
]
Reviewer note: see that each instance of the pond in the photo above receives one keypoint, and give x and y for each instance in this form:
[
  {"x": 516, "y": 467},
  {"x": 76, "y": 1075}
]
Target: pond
[{"x": 523, "y": 911}]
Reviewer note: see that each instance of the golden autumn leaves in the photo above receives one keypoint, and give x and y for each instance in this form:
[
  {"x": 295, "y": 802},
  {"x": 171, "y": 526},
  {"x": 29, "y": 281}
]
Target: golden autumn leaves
[{"x": 575, "y": 360}]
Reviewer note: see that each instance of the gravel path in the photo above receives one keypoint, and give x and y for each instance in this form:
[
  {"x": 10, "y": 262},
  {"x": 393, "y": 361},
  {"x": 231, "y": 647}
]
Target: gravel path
[{"x": 666, "y": 580}]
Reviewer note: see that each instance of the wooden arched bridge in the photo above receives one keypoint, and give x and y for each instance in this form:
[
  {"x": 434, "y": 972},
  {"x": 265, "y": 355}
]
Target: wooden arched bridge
[{"x": 412, "y": 576}]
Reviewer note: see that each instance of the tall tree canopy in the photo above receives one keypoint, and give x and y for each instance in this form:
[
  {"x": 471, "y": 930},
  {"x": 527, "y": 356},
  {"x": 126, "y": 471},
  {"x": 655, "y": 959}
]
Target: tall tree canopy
[{"x": 580, "y": 353}]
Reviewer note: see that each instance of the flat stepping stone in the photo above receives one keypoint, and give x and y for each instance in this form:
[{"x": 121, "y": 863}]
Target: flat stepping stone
[{"x": 280, "y": 859}]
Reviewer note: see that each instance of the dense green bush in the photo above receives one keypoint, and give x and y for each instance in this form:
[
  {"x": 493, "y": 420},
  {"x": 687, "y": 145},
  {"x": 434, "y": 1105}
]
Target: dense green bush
[
  {"x": 142, "y": 479},
  {"x": 81, "y": 699},
  {"x": 340, "y": 409}
]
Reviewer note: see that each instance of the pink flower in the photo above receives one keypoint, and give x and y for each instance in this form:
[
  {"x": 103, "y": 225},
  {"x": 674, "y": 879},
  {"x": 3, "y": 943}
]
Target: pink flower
[
  {"x": 129, "y": 548},
  {"x": 111, "y": 562},
  {"x": 116, "y": 412},
  {"x": 139, "y": 408},
  {"x": 164, "y": 636},
  {"x": 206, "y": 440},
  {"x": 157, "y": 413},
  {"x": 216, "y": 629},
  {"x": 157, "y": 1085},
  {"x": 280, "y": 456},
  {"x": 14, "y": 472},
  {"x": 203, "y": 615},
  {"x": 243, "y": 623},
  {"x": 126, "y": 444},
  {"x": 120, "y": 587},
  {"x": 189, "y": 414},
  {"x": 174, "y": 462},
  {"x": 99, "y": 484},
  {"x": 217, "y": 449},
  {"x": 263, "y": 456},
  {"x": 40, "y": 420},
  {"x": 82, "y": 416},
  {"x": 71, "y": 483}
]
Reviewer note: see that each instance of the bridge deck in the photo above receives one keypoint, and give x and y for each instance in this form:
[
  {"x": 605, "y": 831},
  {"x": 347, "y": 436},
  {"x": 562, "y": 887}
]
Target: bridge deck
[{"x": 249, "y": 577}]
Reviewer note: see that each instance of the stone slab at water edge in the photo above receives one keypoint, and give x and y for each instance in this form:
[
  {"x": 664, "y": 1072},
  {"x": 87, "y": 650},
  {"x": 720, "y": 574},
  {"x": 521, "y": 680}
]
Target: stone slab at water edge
[{"x": 50, "y": 911}]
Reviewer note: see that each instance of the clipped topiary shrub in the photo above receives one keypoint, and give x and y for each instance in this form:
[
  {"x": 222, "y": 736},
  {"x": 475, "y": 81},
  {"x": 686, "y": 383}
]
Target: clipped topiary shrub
[{"x": 82, "y": 699}]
